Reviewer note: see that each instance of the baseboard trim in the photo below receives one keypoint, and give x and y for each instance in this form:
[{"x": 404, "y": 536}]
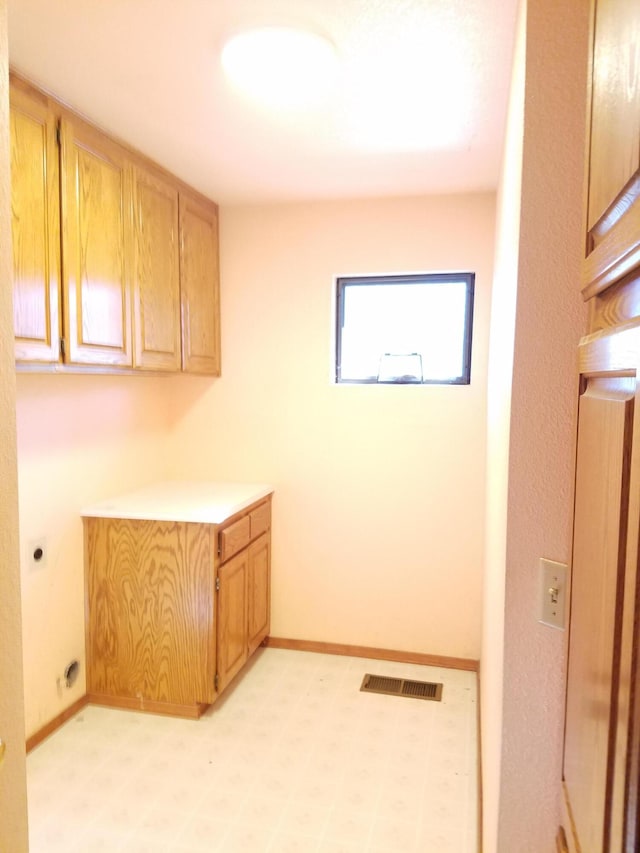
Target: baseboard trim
[
  {"x": 53, "y": 725},
  {"x": 168, "y": 709},
  {"x": 467, "y": 664}
]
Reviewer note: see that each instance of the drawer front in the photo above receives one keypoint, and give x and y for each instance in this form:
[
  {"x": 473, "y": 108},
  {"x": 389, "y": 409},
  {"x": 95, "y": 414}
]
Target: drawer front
[
  {"x": 260, "y": 519},
  {"x": 234, "y": 538}
]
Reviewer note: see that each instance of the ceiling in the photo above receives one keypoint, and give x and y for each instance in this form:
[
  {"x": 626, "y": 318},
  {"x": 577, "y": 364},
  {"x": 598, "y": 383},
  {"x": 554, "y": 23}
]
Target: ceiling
[{"x": 418, "y": 105}]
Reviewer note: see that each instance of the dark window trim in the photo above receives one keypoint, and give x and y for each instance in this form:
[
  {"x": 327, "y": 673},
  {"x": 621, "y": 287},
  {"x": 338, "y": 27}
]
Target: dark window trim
[{"x": 414, "y": 278}]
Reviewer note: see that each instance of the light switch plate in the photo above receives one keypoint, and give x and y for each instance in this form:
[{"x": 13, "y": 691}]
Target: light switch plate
[{"x": 553, "y": 593}]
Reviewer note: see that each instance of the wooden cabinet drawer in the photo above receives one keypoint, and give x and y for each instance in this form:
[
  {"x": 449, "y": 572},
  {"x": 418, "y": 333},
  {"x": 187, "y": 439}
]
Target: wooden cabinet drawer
[
  {"x": 234, "y": 538},
  {"x": 260, "y": 519}
]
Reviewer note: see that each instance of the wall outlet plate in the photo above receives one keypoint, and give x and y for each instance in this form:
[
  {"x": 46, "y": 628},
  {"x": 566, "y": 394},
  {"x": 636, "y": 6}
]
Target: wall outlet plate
[{"x": 553, "y": 593}]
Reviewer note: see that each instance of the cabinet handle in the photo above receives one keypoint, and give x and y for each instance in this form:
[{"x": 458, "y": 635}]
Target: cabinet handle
[{"x": 3, "y": 749}]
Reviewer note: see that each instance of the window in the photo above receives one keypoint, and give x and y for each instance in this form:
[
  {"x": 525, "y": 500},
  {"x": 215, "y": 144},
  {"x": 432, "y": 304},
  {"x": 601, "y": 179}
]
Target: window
[{"x": 405, "y": 328}]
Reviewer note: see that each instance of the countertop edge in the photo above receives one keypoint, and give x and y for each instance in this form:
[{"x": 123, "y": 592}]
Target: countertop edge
[{"x": 212, "y": 512}]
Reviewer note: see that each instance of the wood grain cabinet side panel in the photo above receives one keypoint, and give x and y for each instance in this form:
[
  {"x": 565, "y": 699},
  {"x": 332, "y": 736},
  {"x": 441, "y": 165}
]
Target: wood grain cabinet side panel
[
  {"x": 97, "y": 246},
  {"x": 156, "y": 287},
  {"x": 35, "y": 219},
  {"x": 259, "y": 592},
  {"x": 200, "y": 286},
  {"x": 149, "y": 594}
]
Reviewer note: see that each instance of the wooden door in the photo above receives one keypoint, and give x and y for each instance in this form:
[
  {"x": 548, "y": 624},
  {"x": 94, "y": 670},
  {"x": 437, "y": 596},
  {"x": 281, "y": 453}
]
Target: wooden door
[
  {"x": 258, "y": 591},
  {"x": 232, "y": 617},
  {"x": 200, "y": 286},
  {"x": 156, "y": 286},
  {"x": 97, "y": 245},
  {"x": 35, "y": 209},
  {"x": 613, "y": 202},
  {"x": 600, "y": 706}
]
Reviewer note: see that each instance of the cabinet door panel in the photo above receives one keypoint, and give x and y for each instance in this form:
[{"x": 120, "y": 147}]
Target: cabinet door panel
[
  {"x": 199, "y": 278},
  {"x": 613, "y": 201},
  {"x": 615, "y": 121},
  {"x": 97, "y": 247},
  {"x": 232, "y": 618},
  {"x": 156, "y": 292},
  {"x": 259, "y": 591},
  {"x": 35, "y": 209},
  {"x": 600, "y": 539}
]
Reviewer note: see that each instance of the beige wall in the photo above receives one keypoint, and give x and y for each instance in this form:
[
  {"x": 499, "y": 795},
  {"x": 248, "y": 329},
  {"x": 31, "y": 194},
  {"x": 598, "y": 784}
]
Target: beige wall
[
  {"x": 379, "y": 506},
  {"x": 550, "y": 317},
  {"x": 13, "y": 798},
  {"x": 80, "y": 439},
  {"x": 503, "y": 315}
]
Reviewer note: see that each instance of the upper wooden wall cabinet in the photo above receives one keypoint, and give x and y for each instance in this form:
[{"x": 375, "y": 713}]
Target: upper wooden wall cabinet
[
  {"x": 115, "y": 260},
  {"x": 612, "y": 220}
]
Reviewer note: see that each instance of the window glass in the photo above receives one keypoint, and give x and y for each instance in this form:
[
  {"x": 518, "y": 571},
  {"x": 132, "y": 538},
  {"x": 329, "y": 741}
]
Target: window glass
[{"x": 404, "y": 329}]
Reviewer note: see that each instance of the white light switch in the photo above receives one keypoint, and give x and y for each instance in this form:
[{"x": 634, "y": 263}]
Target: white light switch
[{"x": 553, "y": 586}]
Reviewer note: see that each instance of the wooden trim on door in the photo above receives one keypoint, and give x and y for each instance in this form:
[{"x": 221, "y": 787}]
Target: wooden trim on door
[
  {"x": 561, "y": 841},
  {"x": 479, "y": 798},
  {"x": 570, "y": 835}
]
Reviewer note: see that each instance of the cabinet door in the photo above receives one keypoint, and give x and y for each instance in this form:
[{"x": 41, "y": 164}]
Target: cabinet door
[
  {"x": 96, "y": 247},
  {"x": 602, "y": 484},
  {"x": 259, "y": 591},
  {"x": 35, "y": 209},
  {"x": 613, "y": 203},
  {"x": 232, "y": 617},
  {"x": 156, "y": 287},
  {"x": 200, "y": 286}
]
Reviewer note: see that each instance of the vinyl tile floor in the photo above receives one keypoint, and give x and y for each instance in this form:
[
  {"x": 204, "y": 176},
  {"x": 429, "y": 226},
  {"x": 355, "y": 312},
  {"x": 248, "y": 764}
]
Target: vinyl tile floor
[{"x": 293, "y": 759}]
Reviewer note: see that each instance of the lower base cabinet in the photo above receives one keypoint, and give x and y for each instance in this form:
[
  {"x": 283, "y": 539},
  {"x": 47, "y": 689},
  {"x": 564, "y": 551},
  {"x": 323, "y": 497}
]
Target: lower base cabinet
[{"x": 174, "y": 609}]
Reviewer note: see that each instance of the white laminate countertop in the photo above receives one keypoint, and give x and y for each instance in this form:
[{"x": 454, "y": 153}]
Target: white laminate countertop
[{"x": 203, "y": 502}]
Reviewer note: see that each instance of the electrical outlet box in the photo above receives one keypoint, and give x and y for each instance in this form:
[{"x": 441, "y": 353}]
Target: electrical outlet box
[
  {"x": 37, "y": 553},
  {"x": 553, "y": 593}
]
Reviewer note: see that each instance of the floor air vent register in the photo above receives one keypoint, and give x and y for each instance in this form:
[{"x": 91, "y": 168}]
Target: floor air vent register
[{"x": 402, "y": 687}]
